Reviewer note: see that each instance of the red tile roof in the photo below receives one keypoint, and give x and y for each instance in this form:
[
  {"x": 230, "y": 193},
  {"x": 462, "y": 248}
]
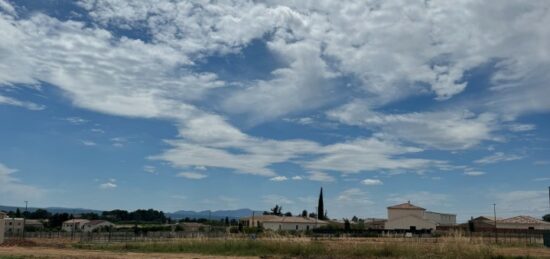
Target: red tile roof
[
  {"x": 523, "y": 220},
  {"x": 406, "y": 206}
]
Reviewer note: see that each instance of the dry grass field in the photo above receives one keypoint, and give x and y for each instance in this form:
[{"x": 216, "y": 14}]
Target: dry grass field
[{"x": 273, "y": 248}]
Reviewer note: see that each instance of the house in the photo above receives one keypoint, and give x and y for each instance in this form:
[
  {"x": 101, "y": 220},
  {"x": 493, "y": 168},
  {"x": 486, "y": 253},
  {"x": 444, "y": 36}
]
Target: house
[
  {"x": 374, "y": 223},
  {"x": 274, "y": 222},
  {"x": 74, "y": 225},
  {"x": 513, "y": 224},
  {"x": 2, "y": 216},
  {"x": 93, "y": 225},
  {"x": 13, "y": 225},
  {"x": 407, "y": 216}
]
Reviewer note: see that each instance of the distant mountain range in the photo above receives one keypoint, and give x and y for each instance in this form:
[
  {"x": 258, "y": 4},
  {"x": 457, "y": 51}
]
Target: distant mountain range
[
  {"x": 180, "y": 214},
  {"x": 217, "y": 214}
]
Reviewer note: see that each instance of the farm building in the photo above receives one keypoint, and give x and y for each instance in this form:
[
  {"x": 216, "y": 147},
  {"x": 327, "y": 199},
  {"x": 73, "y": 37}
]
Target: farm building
[
  {"x": 523, "y": 222},
  {"x": 93, "y": 225},
  {"x": 2, "y": 216},
  {"x": 282, "y": 222},
  {"x": 407, "y": 216},
  {"x": 74, "y": 225}
]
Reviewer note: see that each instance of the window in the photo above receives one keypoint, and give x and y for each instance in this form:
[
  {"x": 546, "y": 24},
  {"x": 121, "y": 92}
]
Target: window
[{"x": 296, "y": 227}]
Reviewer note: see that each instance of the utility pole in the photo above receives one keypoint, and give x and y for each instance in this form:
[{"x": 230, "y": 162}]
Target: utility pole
[
  {"x": 25, "y": 218},
  {"x": 495, "y": 213}
]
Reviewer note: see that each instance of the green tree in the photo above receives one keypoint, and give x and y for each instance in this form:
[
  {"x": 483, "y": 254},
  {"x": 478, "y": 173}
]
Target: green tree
[
  {"x": 347, "y": 225},
  {"x": 304, "y": 213},
  {"x": 17, "y": 213},
  {"x": 276, "y": 210},
  {"x": 288, "y": 214},
  {"x": 40, "y": 214},
  {"x": 546, "y": 217}
]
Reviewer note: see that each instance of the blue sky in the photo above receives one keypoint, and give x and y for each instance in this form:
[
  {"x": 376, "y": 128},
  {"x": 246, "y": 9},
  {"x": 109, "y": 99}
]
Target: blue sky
[{"x": 238, "y": 104}]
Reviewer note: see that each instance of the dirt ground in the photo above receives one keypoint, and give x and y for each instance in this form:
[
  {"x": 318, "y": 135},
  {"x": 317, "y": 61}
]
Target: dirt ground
[{"x": 51, "y": 252}]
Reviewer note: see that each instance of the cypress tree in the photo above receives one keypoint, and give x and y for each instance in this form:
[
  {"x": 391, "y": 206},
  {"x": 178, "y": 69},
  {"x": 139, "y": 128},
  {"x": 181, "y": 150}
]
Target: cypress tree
[{"x": 321, "y": 206}]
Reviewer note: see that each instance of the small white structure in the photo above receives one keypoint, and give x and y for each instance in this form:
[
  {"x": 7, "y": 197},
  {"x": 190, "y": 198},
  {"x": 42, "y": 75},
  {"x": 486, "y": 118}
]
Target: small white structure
[
  {"x": 74, "y": 225},
  {"x": 407, "y": 216},
  {"x": 284, "y": 223},
  {"x": 93, "y": 225},
  {"x": 2, "y": 216}
]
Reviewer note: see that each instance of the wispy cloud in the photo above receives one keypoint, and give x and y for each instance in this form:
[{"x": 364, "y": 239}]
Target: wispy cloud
[
  {"x": 109, "y": 184},
  {"x": 27, "y": 105},
  {"x": 320, "y": 176},
  {"x": 279, "y": 178},
  {"x": 371, "y": 182},
  {"x": 498, "y": 157},
  {"x": 192, "y": 175}
]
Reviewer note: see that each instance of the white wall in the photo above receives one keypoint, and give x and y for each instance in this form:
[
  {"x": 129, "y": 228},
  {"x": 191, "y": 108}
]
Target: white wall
[
  {"x": 523, "y": 226},
  {"x": 399, "y": 213},
  {"x": 407, "y": 221},
  {"x": 290, "y": 226},
  {"x": 441, "y": 219}
]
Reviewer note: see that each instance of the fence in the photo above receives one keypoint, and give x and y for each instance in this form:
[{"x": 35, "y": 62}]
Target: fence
[{"x": 510, "y": 238}]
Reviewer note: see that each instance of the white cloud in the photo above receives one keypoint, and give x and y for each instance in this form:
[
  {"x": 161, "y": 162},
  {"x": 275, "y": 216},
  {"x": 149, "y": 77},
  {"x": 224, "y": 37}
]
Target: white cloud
[
  {"x": 192, "y": 175},
  {"x": 511, "y": 203},
  {"x": 279, "y": 178},
  {"x": 27, "y": 105},
  {"x": 13, "y": 190},
  {"x": 474, "y": 173},
  {"x": 97, "y": 130},
  {"x": 353, "y": 196},
  {"x": 88, "y": 143},
  {"x": 150, "y": 169},
  {"x": 441, "y": 130},
  {"x": 110, "y": 184},
  {"x": 368, "y": 155},
  {"x": 320, "y": 176},
  {"x": 521, "y": 127},
  {"x": 297, "y": 177},
  {"x": 76, "y": 120},
  {"x": 370, "y": 182},
  {"x": 498, "y": 157},
  {"x": 7, "y": 7}
]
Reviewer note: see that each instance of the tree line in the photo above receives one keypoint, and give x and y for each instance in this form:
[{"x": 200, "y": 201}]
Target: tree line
[{"x": 55, "y": 220}]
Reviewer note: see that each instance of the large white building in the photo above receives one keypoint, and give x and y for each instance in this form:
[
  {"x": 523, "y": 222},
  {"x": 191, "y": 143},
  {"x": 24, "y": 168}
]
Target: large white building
[
  {"x": 284, "y": 223},
  {"x": 407, "y": 216}
]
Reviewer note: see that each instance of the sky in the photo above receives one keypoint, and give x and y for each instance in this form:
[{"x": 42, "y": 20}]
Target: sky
[{"x": 199, "y": 105}]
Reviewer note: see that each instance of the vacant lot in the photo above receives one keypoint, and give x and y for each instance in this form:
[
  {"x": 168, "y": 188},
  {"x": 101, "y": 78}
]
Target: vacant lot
[{"x": 288, "y": 248}]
